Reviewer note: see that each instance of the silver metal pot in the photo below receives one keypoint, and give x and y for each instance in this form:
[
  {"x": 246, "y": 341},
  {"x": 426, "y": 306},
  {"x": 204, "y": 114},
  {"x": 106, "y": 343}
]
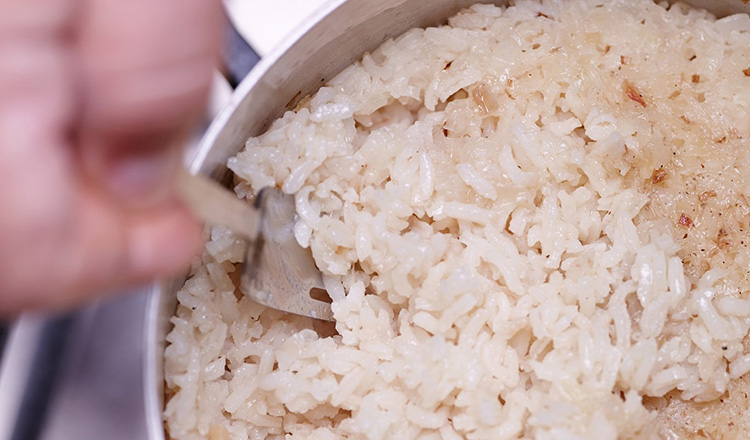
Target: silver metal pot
[{"x": 325, "y": 44}]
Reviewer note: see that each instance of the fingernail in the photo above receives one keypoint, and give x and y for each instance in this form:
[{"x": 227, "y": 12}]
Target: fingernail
[{"x": 143, "y": 177}]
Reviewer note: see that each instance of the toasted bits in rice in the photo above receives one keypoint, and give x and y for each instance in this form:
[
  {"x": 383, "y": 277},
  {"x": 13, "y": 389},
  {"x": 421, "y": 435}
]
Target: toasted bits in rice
[
  {"x": 658, "y": 176},
  {"x": 707, "y": 195},
  {"x": 633, "y": 94},
  {"x": 685, "y": 221}
]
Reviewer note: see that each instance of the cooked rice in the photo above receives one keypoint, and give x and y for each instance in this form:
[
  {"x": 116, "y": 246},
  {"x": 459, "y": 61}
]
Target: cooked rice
[{"x": 507, "y": 215}]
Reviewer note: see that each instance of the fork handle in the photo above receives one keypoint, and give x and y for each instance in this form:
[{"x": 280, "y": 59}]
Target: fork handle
[{"x": 213, "y": 203}]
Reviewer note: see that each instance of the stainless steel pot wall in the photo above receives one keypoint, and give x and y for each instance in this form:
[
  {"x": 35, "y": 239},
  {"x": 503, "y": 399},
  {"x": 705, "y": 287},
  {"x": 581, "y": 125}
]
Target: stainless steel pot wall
[{"x": 323, "y": 46}]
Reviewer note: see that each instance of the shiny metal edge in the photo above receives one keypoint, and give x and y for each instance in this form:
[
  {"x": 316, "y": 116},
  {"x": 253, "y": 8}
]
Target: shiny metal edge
[
  {"x": 161, "y": 305},
  {"x": 199, "y": 162},
  {"x": 16, "y": 367},
  {"x": 238, "y": 120}
]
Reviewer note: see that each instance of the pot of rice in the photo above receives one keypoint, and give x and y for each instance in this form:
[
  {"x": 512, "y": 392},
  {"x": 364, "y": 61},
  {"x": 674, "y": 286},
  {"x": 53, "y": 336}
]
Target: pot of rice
[{"x": 532, "y": 219}]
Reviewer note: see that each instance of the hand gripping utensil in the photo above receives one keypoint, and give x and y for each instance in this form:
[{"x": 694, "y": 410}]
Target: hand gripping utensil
[{"x": 277, "y": 272}]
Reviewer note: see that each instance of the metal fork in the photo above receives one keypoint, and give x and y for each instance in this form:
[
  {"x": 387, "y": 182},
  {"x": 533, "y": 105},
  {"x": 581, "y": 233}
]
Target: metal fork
[{"x": 277, "y": 272}]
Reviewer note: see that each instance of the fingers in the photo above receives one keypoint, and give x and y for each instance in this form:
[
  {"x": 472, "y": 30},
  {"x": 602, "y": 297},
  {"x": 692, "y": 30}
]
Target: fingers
[
  {"x": 113, "y": 246},
  {"x": 36, "y": 188},
  {"x": 147, "y": 65},
  {"x": 107, "y": 248},
  {"x": 146, "y": 74},
  {"x": 61, "y": 240},
  {"x": 35, "y": 18}
]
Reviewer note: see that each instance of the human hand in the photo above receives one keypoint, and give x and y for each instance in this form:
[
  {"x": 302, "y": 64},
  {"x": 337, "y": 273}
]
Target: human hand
[{"x": 96, "y": 98}]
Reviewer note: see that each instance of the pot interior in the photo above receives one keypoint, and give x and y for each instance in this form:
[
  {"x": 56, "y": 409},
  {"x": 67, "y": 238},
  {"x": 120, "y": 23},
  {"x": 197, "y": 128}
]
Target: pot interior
[{"x": 325, "y": 44}]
